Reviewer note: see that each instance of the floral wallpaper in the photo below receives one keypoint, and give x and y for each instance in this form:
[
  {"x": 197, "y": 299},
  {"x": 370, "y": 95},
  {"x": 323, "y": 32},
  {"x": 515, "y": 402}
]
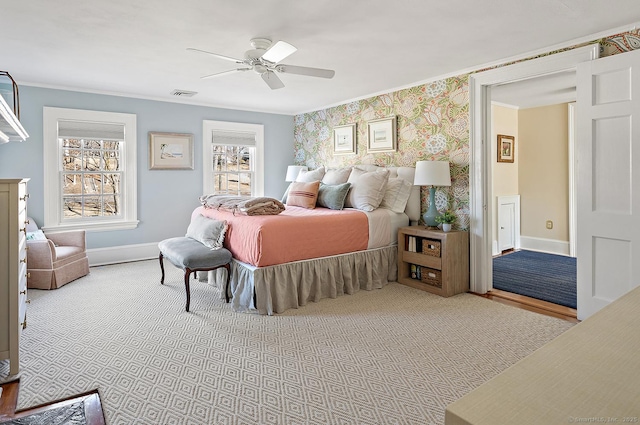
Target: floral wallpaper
[{"x": 432, "y": 124}]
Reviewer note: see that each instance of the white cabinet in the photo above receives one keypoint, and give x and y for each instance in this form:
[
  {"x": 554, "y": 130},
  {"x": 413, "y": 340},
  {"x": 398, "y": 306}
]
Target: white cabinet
[{"x": 13, "y": 268}]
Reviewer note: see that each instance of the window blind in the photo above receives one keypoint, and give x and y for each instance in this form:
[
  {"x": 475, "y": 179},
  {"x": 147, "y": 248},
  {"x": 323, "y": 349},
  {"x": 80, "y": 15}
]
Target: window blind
[
  {"x": 240, "y": 138},
  {"x": 90, "y": 130}
]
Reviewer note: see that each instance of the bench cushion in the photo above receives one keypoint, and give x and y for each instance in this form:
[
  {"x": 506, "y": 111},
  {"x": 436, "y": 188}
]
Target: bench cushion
[{"x": 188, "y": 253}]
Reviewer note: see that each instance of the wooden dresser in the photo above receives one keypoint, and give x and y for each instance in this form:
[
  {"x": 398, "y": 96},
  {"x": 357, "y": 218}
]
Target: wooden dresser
[{"x": 13, "y": 268}]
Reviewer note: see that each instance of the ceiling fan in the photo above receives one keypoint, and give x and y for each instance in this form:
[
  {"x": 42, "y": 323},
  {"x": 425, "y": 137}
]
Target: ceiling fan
[{"x": 264, "y": 59}]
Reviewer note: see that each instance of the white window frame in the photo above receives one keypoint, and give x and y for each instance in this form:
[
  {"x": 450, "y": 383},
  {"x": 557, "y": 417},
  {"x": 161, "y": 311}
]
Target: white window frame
[
  {"x": 52, "y": 149},
  {"x": 208, "y": 127}
]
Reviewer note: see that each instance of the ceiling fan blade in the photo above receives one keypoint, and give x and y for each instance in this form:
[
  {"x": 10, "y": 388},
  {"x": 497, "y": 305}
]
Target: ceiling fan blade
[
  {"x": 278, "y": 52},
  {"x": 272, "y": 80},
  {"x": 217, "y": 55},
  {"x": 303, "y": 70},
  {"x": 224, "y": 72}
]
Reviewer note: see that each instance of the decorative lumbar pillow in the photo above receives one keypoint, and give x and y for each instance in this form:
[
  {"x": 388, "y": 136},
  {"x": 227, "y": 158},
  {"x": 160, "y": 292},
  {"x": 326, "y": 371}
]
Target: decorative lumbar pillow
[
  {"x": 302, "y": 194},
  {"x": 333, "y": 195},
  {"x": 367, "y": 188},
  {"x": 336, "y": 175},
  {"x": 207, "y": 231},
  {"x": 396, "y": 195},
  {"x": 310, "y": 176}
]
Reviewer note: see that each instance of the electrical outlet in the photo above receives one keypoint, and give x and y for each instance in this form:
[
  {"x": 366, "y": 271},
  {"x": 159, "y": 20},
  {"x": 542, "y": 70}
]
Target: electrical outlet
[{"x": 549, "y": 224}]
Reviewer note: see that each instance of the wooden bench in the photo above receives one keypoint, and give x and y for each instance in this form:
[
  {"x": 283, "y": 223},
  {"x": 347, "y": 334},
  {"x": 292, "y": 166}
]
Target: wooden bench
[{"x": 192, "y": 256}]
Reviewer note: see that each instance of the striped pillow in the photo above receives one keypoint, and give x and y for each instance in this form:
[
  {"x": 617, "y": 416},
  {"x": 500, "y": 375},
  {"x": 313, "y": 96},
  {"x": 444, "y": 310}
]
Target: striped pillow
[{"x": 303, "y": 194}]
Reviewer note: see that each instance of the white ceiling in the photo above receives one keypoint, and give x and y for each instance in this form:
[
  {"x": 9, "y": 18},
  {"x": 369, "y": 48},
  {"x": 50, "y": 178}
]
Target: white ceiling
[{"x": 138, "y": 48}]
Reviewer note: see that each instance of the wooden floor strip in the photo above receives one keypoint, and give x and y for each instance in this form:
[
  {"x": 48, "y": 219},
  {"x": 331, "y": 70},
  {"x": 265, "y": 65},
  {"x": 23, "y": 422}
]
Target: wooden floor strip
[
  {"x": 93, "y": 412},
  {"x": 9, "y": 399},
  {"x": 533, "y": 304}
]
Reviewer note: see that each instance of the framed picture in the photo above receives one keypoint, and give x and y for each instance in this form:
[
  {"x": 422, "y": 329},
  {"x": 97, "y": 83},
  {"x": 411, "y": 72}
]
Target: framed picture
[
  {"x": 506, "y": 148},
  {"x": 170, "y": 151},
  {"x": 382, "y": 135},
  {"x": 344, "y": 139}
]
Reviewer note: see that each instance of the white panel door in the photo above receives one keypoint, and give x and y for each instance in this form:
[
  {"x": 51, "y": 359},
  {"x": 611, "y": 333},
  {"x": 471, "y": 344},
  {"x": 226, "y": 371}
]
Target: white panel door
[
  {"x": 508, "y": 222},
  {"x": 608, "y": 153},
  {"x": 506, "y": 227}
]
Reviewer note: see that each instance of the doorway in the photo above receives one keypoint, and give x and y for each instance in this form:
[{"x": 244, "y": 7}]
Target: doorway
[
  {"x": 480, "y": 86},
  {"x": 533, "y": 114}
]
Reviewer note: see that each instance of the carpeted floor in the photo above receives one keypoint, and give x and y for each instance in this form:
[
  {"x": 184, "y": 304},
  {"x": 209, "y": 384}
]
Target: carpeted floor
[
  {"x": 538, "y": 275},
  {"x": 390, "y": 356}
]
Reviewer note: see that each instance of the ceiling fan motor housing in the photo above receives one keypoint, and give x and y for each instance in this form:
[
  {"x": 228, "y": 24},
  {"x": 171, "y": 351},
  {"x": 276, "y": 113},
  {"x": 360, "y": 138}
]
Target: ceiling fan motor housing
[{"x": 260, "y": 46}]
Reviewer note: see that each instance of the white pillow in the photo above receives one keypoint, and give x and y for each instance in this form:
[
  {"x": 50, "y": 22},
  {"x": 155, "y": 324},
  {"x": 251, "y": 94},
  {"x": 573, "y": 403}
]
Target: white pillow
[
  {"x": 207, "y": 231},
  {"x": 310, "y": 176},
  {"x": 336, "y": 175},
  {"x": 396, "y": 195},
  {"x": 367, "y": 188}
]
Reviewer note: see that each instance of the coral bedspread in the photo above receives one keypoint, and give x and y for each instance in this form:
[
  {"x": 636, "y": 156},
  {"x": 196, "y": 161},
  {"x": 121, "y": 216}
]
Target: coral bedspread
[{"x": 293, "y": 235}]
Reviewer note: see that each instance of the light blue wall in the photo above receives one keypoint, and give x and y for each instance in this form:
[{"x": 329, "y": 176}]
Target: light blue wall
[{"x": 166, "y": 198}]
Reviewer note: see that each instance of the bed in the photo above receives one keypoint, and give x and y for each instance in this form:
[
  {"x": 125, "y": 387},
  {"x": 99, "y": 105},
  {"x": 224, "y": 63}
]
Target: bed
[{"x": 284, "y": 261}]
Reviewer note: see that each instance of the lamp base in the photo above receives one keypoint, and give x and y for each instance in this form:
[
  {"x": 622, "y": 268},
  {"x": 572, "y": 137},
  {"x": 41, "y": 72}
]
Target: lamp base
[{"x": 429, "y": 217}]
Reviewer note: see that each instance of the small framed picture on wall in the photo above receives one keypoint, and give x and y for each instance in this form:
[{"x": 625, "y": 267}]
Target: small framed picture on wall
[
  {"x": 506, "y": 148},
  {"x": 344, "y": 139},
  {"x": 382, "y": 135},
  {"x": 170, "y": 151}
]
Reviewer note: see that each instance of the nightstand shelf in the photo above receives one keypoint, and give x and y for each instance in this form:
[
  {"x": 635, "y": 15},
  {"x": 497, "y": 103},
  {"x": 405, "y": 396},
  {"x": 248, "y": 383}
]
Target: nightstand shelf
[{"x": 433, "y": 261}]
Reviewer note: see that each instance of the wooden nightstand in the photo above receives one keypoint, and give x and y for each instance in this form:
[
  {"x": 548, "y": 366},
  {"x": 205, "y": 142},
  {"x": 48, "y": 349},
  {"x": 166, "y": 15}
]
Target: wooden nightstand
[{"x": 433, "y": 261}]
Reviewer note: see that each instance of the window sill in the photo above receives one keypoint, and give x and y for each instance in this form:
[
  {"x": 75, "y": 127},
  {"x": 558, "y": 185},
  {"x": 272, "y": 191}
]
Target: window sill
[{"x": 94, "y": 227}]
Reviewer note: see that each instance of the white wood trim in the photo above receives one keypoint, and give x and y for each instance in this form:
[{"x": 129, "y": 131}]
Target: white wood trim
[
  {"x": 573, "y": 192},
  {"x": 122, "y": 254},
  {"x": 52, "y": 167},
  {"x": 208, "y": 126},
  {"x": 480, "y": 148},
  {"x": 550, "y": 246}
]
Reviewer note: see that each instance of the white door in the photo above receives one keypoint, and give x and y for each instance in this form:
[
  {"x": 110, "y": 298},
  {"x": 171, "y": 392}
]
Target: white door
[
  {"x": 508, "y": 222},
  {"x": 506, "y": 218},
  {"x": 608, "y": 153}
]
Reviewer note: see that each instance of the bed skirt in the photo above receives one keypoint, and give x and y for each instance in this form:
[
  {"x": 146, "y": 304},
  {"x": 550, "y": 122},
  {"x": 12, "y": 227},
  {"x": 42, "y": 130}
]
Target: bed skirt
[{"x": 292, "y": 285}]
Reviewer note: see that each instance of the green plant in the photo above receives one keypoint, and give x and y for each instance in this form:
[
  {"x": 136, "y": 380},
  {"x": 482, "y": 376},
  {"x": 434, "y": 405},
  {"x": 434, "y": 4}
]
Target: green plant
[{"x": 447, "y": 217}]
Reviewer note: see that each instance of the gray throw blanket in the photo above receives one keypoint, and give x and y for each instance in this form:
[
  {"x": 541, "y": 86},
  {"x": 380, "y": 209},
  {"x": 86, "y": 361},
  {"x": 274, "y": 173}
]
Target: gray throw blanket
[{"x": 245, "y": 205}]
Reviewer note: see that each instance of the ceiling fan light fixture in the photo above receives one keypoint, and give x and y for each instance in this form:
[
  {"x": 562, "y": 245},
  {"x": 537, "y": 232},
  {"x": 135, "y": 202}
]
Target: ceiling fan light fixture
[
  {"x": 259, "y": 68},
  {"x": 278, "y": 51}
]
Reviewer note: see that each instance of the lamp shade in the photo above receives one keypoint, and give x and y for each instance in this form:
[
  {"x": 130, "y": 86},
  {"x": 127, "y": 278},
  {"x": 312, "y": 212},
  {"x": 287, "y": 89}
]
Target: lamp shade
[
  {"x": 293, "y": 171},
  {"x": 432, "y": 173}
]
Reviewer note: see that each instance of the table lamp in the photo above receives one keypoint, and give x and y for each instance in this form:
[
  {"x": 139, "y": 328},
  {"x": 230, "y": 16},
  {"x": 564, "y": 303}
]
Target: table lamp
[
  {"x": 432, "y": 174},
  {"x": 293, "y": 171}
]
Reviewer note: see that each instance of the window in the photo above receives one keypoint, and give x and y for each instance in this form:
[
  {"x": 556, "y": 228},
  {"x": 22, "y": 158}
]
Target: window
[
  {"x": 90, "y": 170},
  {"x": 233, "y": 158}
]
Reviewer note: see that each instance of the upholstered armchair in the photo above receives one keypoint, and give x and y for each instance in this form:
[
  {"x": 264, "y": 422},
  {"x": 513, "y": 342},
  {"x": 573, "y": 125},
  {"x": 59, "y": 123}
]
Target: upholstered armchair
[{"x": 54, "y": 259}]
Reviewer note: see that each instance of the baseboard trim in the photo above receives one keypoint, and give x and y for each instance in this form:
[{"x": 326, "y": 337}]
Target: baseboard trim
[
  {"x": 122, "y": 254},
  {"x": 550, "y": 246}
]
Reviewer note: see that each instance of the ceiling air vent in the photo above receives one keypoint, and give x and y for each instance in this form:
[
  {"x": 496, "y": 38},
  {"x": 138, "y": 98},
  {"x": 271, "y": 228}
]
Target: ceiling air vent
[{"x": 183, "y": 93}]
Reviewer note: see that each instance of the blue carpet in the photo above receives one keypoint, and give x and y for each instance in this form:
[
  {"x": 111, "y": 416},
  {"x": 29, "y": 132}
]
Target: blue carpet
[{"x": 538, "y": 275}]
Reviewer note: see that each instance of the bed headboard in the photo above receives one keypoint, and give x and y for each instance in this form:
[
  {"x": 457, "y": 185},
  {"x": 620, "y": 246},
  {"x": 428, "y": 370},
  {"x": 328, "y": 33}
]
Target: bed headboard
[{"x": 407, "y": 173}]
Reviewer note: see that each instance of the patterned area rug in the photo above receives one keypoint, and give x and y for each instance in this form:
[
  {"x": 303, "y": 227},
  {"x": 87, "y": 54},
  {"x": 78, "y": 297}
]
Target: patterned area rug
[
  {"x": 538, "y": 275},
  {"x": 395, "y": 355},
  {"x": 67, "y": 415}
]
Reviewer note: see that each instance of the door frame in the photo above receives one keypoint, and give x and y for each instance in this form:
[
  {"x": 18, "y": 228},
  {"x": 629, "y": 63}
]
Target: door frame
[{"x": 480, "y": 143}]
